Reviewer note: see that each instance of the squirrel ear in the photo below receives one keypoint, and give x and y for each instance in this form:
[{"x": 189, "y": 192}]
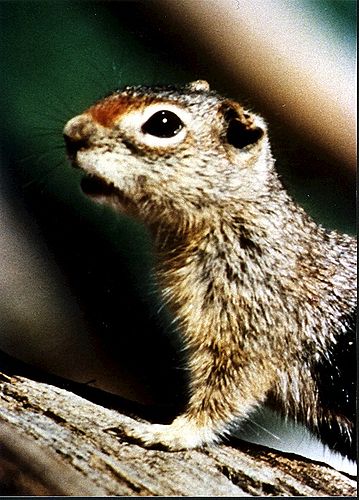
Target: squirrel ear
[
  {"x": 199, "y": 86},
  {"x": 241, "y": 131}
]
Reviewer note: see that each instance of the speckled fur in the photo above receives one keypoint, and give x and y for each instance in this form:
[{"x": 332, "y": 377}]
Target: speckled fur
[{"x": 260, "y": 292}]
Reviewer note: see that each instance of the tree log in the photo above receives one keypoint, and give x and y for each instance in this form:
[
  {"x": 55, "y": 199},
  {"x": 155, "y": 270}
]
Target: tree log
[{"x": 53, "y": 441}]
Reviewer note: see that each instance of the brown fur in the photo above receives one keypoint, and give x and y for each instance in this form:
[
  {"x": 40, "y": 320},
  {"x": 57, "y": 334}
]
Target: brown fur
[
  {"x": 258, "y": 290},
  {"x": 107, "y": 112}
]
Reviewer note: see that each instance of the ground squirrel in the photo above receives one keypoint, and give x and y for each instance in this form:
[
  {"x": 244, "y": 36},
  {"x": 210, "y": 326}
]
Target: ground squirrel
[{"x": 263, "y": 297}]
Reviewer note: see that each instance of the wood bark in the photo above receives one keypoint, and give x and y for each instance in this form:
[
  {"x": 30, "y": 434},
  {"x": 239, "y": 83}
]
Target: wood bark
[{"x": 53, "y": 441}]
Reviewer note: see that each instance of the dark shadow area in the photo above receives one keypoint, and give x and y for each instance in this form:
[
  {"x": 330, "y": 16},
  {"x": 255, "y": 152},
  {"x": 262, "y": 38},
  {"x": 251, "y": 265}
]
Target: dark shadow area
[
  {"x": 109, "y": 272},
  {"x": 155, "y": 413}
]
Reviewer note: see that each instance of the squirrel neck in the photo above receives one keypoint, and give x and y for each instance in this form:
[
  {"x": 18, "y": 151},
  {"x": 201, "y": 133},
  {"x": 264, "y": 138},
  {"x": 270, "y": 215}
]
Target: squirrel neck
[
  {"x": 239, "y": 234},
  {"x": 245, "y": 260}
]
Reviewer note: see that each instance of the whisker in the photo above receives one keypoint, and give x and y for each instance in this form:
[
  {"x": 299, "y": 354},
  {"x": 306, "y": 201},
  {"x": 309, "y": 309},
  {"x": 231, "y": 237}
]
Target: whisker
[
  {"x": 49, "y": 133},
  {"x": 253, "y": 422},
  {"x": 40, "y": 180},
  {"x": 102, "y": 82},
  {"x": 39, "y": 157},
  {"x": 55, "y": 118},
  {"x": 46, "y": 128}
]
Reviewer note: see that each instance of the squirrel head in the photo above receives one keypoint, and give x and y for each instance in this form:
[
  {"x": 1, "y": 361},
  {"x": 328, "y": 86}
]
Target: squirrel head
[{"x": 170, "y": 154}]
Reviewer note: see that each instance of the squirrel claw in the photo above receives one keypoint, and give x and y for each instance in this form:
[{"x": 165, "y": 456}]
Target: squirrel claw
[{"x": 180, "y": 435}]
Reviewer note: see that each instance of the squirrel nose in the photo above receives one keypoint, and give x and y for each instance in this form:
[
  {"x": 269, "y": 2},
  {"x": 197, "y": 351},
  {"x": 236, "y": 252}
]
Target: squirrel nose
[{"x": 77, "y": 133}]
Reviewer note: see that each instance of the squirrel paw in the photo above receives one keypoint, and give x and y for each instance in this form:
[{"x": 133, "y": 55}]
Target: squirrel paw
[{"x": 182, "y": 434}]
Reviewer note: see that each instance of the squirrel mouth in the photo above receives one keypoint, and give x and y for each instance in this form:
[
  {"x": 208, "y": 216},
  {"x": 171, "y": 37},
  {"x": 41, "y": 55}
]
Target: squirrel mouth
[{"x": 102, "y": 192}]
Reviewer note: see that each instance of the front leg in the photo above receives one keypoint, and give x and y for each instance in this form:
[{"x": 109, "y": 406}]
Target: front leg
[
  {"x": 181, "y": 434},
  {"x": 220, "y": 393}
]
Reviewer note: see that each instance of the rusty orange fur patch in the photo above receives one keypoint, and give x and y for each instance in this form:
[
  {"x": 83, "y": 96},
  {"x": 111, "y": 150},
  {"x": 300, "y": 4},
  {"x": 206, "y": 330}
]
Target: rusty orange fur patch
[{"x": 107, "y": 111}]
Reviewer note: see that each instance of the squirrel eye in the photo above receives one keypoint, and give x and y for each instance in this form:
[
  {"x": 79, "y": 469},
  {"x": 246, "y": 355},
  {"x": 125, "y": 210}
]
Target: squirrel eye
[{"x": 163, "y": 124}]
